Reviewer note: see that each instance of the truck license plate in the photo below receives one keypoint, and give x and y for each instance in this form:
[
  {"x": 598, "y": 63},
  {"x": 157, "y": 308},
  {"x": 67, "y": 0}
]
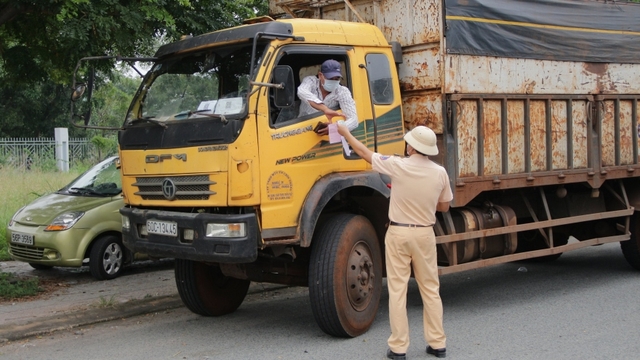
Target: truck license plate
[
  {"x": 18, "y": 238},
  {"x": 167, "y": 228}
]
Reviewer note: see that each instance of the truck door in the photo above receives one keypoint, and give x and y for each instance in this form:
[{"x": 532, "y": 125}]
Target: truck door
[
  {"x": 384, "y": 124},
  {"x": 292, "y": 156}
]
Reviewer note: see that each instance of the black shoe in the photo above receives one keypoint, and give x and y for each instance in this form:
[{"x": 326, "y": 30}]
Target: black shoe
[
  {"x": 439, "y": 353},
  {"x": 395, "y": 356}
]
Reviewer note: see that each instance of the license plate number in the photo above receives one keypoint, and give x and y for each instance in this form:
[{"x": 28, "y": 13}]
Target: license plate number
[
  {"x": 167, "y": 228},
  {"x": 18, "y": 238}
]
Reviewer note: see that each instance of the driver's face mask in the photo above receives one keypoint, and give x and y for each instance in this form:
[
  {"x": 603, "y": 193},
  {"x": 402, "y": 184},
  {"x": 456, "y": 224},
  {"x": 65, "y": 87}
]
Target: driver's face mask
[{"x": 330, "y": 85}]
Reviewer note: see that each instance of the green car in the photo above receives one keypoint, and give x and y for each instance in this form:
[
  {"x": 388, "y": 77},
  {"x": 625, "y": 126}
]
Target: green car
[{"x": 79, "y": 222}]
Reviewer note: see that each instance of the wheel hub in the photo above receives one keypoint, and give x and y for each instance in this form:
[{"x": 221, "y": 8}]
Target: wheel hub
[
  {"x": 360, "y": 276},
  {"x": 112, "y": 260}
]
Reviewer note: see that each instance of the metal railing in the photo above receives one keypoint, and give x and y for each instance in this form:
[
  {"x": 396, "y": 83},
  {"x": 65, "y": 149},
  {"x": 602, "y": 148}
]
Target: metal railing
[{"x": 25, "y": 152}]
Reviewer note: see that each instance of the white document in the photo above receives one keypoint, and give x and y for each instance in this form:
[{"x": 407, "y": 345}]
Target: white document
[
  {"x": 334, "y": 136},
  {"x": 208, "y": 105},
  {"x": 229, "y": 106},
  {"x": 345, "y": 146}
]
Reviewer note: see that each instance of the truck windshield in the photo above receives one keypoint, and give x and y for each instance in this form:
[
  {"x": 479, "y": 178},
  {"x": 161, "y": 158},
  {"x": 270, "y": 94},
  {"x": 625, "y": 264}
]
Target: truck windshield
[{"x": 207, "y": 84}]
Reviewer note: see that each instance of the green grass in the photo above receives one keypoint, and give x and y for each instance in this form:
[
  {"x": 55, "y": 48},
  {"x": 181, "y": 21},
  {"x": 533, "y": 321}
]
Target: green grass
[
  {"x": 12, "y": 287},
  {"x": 104, "y": 303},
  {"x": 20, "y": 187}
]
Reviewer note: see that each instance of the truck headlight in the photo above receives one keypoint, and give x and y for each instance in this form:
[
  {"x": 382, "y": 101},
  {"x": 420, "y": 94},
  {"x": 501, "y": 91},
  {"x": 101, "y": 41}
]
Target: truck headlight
[
  {"x": 226, "y": 230},
  {"x": 64, "y": 221}
]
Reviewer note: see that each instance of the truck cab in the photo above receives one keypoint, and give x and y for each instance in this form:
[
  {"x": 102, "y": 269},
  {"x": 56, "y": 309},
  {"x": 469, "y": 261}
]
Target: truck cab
[{"x": 221, "y": 172}]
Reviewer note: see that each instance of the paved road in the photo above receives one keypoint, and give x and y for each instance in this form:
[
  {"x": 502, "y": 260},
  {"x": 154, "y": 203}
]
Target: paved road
[{"x": 583, "y": 306}]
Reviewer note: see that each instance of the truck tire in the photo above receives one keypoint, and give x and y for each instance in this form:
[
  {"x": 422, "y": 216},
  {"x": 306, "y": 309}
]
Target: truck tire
[
  {"x": 345, "y": 275},
  {"x": 536, "y": 242},
  {"x": 206, "y": 291},
  {"x": 631, "y": 248},
  {"x": 560, "y": 240},
  {"x": 106, "y": 258}
]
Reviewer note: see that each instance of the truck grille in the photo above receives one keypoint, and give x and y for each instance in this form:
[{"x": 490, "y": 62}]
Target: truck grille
[
  {"x": 26, "y": 252},
  {"x": 187, "y": 187}
]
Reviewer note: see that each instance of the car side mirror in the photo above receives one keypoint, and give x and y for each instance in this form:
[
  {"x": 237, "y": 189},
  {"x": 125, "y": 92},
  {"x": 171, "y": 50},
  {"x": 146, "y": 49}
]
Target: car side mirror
[{"x": 284, "y": 96}]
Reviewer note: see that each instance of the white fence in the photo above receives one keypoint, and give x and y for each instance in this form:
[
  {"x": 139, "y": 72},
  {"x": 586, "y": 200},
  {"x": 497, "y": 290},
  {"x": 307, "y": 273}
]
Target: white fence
[{"x": 25, "y": 152}]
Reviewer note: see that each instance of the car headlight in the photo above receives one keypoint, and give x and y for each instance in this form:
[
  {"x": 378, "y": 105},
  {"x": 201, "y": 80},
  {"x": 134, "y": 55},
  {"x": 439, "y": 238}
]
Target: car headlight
[
  {"x": 13, "y": 218},
  {"x": 64, "y": 221}
]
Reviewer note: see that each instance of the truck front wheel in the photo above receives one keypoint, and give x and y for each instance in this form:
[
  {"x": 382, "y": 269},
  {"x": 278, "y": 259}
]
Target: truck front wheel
[
  {"x": 345, "y": 275},
  {"x": 206, "y": 291}
]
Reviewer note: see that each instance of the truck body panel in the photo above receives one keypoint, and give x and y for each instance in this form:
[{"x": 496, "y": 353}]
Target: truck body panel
[{"x": 522, "y": 112}]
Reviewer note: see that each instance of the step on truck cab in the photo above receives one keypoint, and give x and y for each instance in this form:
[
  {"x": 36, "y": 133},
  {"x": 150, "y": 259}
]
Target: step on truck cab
[{"x": 535, "y": 106}]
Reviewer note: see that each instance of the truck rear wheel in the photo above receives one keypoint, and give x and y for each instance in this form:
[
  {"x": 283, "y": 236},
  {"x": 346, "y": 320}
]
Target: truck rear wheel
[
  {"x": 532, "y": 240},
  {"x": 631, "y": 248},
  {"x": 206, "y": 291},
  {"x": 345, "y": 275}
]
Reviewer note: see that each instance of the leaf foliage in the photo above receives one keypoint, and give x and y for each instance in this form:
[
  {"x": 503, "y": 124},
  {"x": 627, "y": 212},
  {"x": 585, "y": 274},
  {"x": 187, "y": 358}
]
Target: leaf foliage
[{"x": 42, "y": 41}]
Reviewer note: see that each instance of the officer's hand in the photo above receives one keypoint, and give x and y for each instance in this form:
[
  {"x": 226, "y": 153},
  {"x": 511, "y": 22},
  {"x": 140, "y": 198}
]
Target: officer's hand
[{"x": 342, "y": 128}]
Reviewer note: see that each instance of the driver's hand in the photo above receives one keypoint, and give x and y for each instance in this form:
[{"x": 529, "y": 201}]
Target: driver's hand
[
  {"x": 324, "y": 131},
  {"x": 331, "y": 113}
]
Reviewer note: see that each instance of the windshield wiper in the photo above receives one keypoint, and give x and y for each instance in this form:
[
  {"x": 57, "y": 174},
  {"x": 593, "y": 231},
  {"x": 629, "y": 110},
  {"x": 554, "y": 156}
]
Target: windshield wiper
[
  {"x": 192, "y": 112},
  {"x": 202, "y": 113},
  {"x": 149, "y": 119},
  {"x": 85, "y": 191}
]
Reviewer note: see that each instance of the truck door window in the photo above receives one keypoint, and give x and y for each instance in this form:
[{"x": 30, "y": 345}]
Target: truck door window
[
  {"x": 380, "y": 84},
  {"x": 303, "y": 65}
]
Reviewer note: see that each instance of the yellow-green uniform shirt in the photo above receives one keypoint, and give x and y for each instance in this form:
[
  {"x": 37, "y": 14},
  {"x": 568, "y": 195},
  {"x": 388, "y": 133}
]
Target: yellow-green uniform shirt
[{"x": 417, "y": 185}]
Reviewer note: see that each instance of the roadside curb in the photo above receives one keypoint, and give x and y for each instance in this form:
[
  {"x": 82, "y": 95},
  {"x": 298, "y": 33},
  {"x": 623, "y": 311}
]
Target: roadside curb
[
  {"x": 83, "y": 317},
  {"x": 74, "y": 319}
]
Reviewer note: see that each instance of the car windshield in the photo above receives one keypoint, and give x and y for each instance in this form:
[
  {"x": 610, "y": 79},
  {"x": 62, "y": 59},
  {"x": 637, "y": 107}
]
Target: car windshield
[
  {"x": 101, "y": 180},
  {"x": 206, "y": 84}
]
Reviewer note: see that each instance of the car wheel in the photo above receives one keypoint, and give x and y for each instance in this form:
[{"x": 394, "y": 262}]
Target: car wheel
[
  {"x": 40, "y": 267},
  {"x": 106, "y": 258}
]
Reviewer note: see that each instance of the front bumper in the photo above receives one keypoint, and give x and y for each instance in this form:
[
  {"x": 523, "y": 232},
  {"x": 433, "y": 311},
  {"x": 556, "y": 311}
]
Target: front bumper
[
  {"x": 221, "y": 250},
  {"x": 54, "y": 248}
]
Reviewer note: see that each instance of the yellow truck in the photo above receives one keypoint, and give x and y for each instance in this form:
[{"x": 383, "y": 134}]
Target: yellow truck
[{"x": 535, "y": 105}]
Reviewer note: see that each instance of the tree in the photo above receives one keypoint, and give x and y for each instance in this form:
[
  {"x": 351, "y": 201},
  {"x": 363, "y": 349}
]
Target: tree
[
  {"x": 41, "y": 42},
  {"x": 32, "y": 109},
  {"x": 44, "y": 40},
  {"x": 111, "y": 100},
  {"x": 105, "y": 146}
]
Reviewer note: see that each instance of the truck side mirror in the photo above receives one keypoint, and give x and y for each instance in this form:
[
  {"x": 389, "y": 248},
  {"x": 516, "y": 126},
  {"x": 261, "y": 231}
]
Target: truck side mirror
[
  {"x": 78, "y": 91},
  {"x": 396, "y": 50},
  {"x": 285, "y": 96}
]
